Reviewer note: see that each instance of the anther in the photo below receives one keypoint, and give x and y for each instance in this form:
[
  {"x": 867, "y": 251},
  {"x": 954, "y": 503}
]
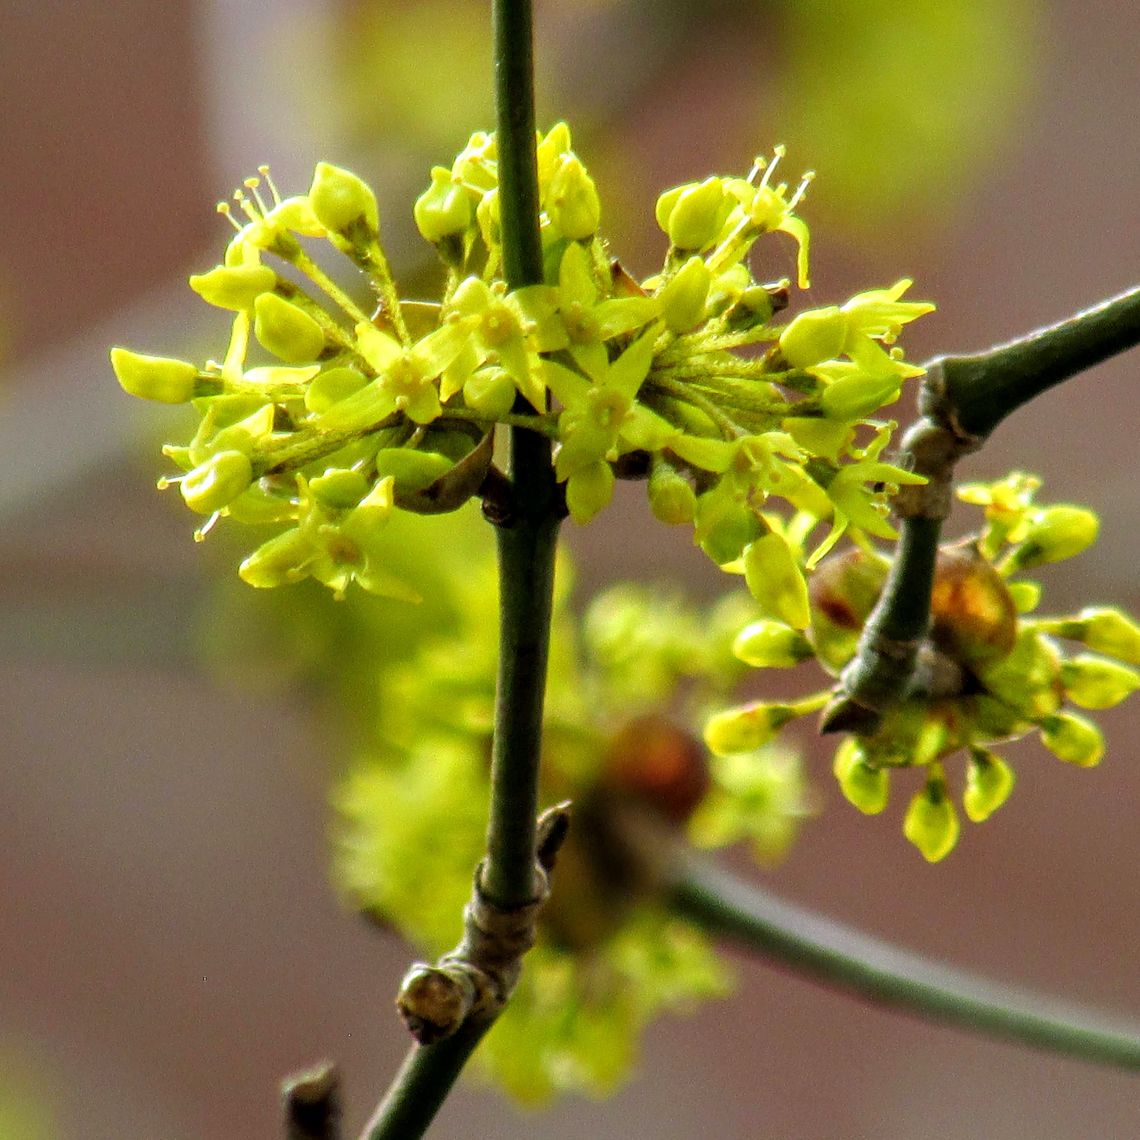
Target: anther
[{"x": 226, "y": 211}]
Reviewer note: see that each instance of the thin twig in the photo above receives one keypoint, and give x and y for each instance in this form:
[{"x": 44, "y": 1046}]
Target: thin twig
[
  {"x": 963, "y": 399},
  {"x": 859, "y": 964}
]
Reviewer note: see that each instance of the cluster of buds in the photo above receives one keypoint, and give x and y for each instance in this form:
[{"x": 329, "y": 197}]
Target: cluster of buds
[
  {"x": 990, "y": 670},
  {"x": 688, "y": 380}
]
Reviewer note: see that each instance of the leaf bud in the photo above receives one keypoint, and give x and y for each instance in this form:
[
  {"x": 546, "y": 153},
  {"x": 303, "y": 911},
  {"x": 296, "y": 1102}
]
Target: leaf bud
[
  {"x": 745, "y": 728},
  {"x": 692, "y": 215},
  {"x": 776, "y": 581},
  {"x": 863, "y": 785},
  {"x": 1073, "y": 738},
  {"x": 685, "y": 295},
  {"x": 989, "y": 782},
  {"x": 234, "y": 287},
  {"x": 286, "y": 330},
  {"x": 814, "y": 336},
  {"x": 158, "y": 378},
  {"x": 218, "y": 481},
  {"x": 1096, "y": 682},
  {"x": 1053, "y": 534},
  {"x": 445, "y": 209},
  {"x": 671, "y": 496},
  {"x": 342, "y": 201},
  {"x": 931, "y": 823},
  {"x": 768, "y": 644},
  {"x": 572, "y": 203}
]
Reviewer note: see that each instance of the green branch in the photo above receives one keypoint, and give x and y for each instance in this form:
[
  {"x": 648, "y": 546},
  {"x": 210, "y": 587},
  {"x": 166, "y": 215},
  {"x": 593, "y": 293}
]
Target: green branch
[
  {"x": 963, "y": 399},
  {"x": 859, "y": 964}
]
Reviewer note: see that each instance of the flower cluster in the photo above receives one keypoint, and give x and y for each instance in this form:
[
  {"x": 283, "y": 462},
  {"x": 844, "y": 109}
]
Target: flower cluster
[
  {"x": 623, "y": 686},
  {"x": 350, "y": 411},
  {"x": 990, "y": 671}
]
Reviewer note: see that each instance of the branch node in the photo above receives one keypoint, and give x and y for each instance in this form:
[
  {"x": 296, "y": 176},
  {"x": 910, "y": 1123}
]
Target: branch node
[{"x": 311, "y": 1102}]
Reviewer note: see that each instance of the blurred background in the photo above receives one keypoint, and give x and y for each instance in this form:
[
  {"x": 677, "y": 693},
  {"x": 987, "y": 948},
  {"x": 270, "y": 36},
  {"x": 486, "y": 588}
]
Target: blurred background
[{"x": 170, "y": 946}]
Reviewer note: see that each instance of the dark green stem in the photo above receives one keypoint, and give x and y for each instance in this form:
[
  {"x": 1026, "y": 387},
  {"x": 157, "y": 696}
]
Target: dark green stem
[
  {"x": 527, "y": 535},
  {"x": 983, "y": 389},
  {"x": 421, "y": 1086},
  {"x": 859, "y": 964}
]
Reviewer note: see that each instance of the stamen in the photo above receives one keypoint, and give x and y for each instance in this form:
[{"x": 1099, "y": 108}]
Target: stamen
[
  {"x": 207, "y": 526},
  {"x": 264, "y": 172},
  {"x": 246, "y": 206},
  {"x": 778, "y": 152},
  {"x": 758, "y": 165},
  {"x": 252, "y": 184},
  {"x": 165, "y": 481},
  {"x": 226, "y": 211},
  {"x": 801, "y": 189}
]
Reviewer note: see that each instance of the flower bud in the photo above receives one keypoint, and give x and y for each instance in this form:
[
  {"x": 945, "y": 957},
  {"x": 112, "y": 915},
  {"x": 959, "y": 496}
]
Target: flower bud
[
  {"x": 286, "y": 330},
  {"x": 769, "y": 644},
  {"x": 1073, "y": 738},
  {"x": 693, "y": 219},
  {"x": 277, "y": 562},
  {"x": 572, "y": 203},
  {"x": 745, "y": 728},
  {"x": 588, "y": 490},
  {"x": 1106, "y": 630},
  {"x": 858, "y": 395},
  {"x": 685, "y": 294},
  {"x": 1097, "y": 683},
  {"x": 989, "y": 781},
  {"x": 342, "y": 201},
  {"x": 814, "y": 336},
  {"x": 776, "y": 581},
  {"x": 931, "y": 823},
  {"x": 445, "y": 209},
  {"x": 218, "y": 481},
  {"x": 724, "y": 526},
  {"x": 411, "y": 470},
  {"x": 339, "y": 487},
  {"x": 490, "y": 391},
  {"x": 864, "y": 786},
  {"x": 1053, "y": 534},
  {"x": 234, "y": 287},
  {"x": 671, "y": 496},
  {"x": 154, "y": 377},
  {"x": 330, "y": 386},
  {"x": 658, "y": 763}
]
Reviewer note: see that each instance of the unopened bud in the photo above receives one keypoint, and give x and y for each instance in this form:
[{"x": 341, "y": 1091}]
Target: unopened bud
[
  {"x": 989, "y": 782},
  {"x": 572, "y": 203},
  {"x": 588, "y": 490},
  {"x": 445, "y": 209},
  {"x": 931, "y": 823},
  {"x": 671, "y": 496},
  {"x": 858, "y": 395},
  {"x": 286, "y": 330},
  {"x": 745, "y": 728},
  {"x": 343, "y": 202},
  {"x": 684, "y": 297},
  {"x": 331, "y": 386},
  {"x": 769, "y": 644},
  {"x": 863, "y": 785},
  {"x": 234, "y": 287},
  {"x": 1055, "y": 533},
  {"x": 692, "y": 215},
  {"x": 218, "y": 481},
  {"x": 1073, "y": 738},
  {"x": 1097, "y": 683},
  {"x": 814, "y": 336},
  {"x": 158, "y": 378},
  {"x": 776, "y": 581},
  {"x": 1107, "y": 630}
]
